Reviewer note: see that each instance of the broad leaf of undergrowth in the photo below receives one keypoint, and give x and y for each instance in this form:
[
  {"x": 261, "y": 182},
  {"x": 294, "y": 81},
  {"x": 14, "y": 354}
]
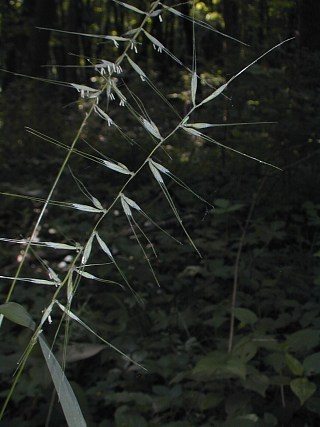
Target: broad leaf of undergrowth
[
  {"x": 294, "y": 365},
  {"x": 311, "y": 364},
  {"x": 303, "y": 389},
  {"x": 245, "y": 316},
  {"x": 219, "y": 365},
  {"x": 16, "y": 313},
  {"x": 305, "y": 339}
]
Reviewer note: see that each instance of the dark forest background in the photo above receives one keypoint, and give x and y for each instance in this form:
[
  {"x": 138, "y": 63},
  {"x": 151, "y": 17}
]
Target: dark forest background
[{"x": 262, "y": 235}]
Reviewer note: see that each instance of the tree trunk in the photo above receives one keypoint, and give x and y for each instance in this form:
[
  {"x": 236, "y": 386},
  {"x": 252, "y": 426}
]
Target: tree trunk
[
  {"x": 231, "y": 21},
  {"x": 309, "y": 24},
  {"x": 38, "y": 46}
]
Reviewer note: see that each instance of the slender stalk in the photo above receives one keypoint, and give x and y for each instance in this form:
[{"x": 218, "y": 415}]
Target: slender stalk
[{"x": 237, "y": 266}]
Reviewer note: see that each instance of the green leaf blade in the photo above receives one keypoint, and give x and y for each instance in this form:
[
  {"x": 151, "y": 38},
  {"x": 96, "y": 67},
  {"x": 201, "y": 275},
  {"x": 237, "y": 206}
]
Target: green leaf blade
[
  {"x": 245, "y": 315},
  {"x": 303, "y": 389},
  {"x": 67, "y": 398},
  {"x": 16, "y": 313},
  {"x": 294, "y": 365}
]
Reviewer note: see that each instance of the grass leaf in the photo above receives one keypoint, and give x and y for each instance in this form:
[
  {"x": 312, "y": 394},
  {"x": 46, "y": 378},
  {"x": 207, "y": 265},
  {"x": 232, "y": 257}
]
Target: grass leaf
[{"x": 67, "y": 398}]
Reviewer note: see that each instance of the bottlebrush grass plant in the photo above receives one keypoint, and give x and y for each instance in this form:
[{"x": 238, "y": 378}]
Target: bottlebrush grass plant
[{"x": 107, "y": 98}]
